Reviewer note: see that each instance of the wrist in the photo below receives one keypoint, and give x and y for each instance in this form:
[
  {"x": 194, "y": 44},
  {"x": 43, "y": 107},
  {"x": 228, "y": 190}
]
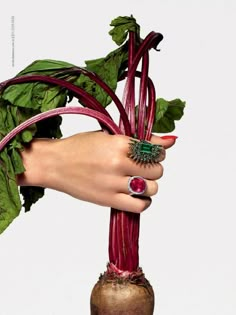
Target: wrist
[{"x": 39, "y": 159}]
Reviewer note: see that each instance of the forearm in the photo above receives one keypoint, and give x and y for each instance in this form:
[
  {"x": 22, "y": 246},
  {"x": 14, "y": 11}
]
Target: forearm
[{"x": 39, "y": 159}]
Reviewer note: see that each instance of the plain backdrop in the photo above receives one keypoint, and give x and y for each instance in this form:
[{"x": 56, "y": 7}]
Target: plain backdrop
[{"x": 51, "y": 257}]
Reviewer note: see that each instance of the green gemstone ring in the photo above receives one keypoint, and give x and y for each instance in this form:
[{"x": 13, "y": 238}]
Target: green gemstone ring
[{"x": 143, "y": 152}]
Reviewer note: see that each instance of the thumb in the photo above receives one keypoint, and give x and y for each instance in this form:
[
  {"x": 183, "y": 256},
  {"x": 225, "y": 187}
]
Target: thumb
[{"x": 166, "y": 141}]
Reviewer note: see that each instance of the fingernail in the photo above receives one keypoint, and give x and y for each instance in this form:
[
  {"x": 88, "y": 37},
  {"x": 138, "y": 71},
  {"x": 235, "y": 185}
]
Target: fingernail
[{"x": 169, "y": 137}]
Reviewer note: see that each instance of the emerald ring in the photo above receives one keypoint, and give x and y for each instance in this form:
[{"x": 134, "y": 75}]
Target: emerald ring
[{"x": 143, "y": 152}]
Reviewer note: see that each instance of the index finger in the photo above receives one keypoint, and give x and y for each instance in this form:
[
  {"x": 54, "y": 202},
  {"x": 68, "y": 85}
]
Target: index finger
[{"x": 166, "y": 141}]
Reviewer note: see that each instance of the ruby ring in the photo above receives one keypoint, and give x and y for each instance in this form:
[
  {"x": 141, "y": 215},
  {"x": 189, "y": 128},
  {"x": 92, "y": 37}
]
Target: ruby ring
[{"x": 137, "y": 185}]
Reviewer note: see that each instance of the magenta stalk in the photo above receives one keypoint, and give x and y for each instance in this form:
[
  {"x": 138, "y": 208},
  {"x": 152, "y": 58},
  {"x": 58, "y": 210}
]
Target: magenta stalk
[
  {"x": 59, "y": 111},
  {"x": 93, "y": 76},
  {"x": 91, "y": 102}
]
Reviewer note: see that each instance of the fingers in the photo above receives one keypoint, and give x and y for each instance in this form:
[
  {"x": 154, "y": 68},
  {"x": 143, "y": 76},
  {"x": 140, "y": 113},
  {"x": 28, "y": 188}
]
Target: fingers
[
  {"x": 151, "y": 187},
  {"x": 127, "y": 166},
  {"x": 116, "y": 194},
  {"x": 152, "y": 172},
  {"x": 165, "y": 141},
  {"x": 129, "y": 203}
]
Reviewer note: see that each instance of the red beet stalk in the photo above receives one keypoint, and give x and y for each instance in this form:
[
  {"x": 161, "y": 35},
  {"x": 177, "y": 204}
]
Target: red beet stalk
[
  {"x": 124, "y": 226},
  {"x": 129, "y": 95},
  {"x": 78, "y": 92},
  {"x": 106, "y": 121},
  {"x": 126, "y": 123}
]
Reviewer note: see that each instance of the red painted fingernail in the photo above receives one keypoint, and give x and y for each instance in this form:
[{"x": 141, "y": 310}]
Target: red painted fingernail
[{"x": 169, "y": 137}]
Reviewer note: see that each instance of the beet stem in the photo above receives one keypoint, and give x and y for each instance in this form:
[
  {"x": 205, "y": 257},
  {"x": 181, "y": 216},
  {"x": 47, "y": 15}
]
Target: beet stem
[
  {"x": 58, "y": 111},
  {"x": 142, "y": 98},
  {"x": 93, "y": 76},
  {"x": 93, "y": 103},
  {"x": 129, "y": 94},
  {"x": 126, "y": 225}
]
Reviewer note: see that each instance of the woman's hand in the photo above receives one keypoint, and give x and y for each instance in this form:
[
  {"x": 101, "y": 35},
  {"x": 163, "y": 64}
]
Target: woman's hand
[{"x": 91, "y": 166}]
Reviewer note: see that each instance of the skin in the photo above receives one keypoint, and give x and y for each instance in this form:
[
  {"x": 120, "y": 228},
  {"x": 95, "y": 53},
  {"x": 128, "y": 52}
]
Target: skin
[
  {"x": 113, "y": 298},
  {"x": 90, "y": 166}
]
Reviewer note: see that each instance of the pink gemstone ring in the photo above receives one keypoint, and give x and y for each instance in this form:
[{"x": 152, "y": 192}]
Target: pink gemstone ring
[{"x": 137, "y": 185}]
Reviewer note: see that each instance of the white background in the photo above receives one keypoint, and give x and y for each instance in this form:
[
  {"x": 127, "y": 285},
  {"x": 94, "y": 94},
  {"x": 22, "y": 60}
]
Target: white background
[{"x": 51, "y": 257}]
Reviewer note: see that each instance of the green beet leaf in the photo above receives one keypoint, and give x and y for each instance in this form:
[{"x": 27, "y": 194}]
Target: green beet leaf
[
  {"x": 166, "y": 114},
  {"x": 16, "y": 161},
  {"x": 49, "y": 128},
  {"x": 31, "y": 195},
  {"x": 21, "y": 95},
  {"x": 161, "y": 107},
  {"x": 108, "y": 69},
  {"x": 122, "y": 26},
  {"x": 49, "y": 97},
  {"x": 10, "y": 203},
  {"x": 38, "y": 95},
  {"x": 47, "y": 66}
]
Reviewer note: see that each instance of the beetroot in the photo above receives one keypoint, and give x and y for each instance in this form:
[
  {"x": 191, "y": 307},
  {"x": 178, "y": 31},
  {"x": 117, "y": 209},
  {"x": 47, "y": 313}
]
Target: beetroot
[{"x": 118, "y": 293}]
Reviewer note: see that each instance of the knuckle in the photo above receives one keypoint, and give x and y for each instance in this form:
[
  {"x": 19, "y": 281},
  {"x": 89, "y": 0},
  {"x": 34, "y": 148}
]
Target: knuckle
[
  {"x": 121, "y": 143},
  {"x": 115, "y": 163}
]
